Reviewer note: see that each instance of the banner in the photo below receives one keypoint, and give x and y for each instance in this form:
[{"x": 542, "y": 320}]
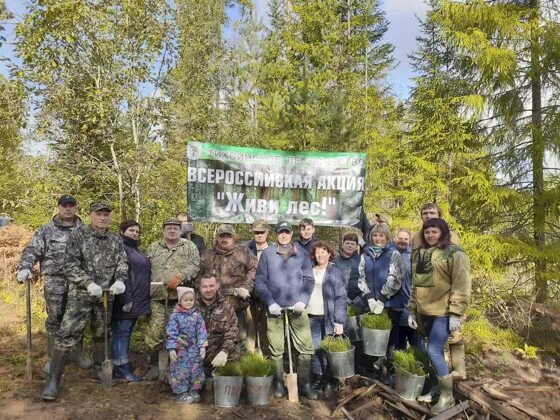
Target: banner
[{"x": 240, "y": 185}]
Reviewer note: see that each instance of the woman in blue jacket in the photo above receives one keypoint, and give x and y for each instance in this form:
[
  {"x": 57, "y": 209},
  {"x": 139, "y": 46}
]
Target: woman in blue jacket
[
  {"x": 132, "y": 304},
  {"x": 326, "y": 309}
]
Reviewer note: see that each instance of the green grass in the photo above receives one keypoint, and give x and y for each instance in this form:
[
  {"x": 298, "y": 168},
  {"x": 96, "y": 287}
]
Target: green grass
[
  {"x": 253, "y": 364},
  {"x": 481, "y": 336},
  {"x": 412, "y": 361},
  {"x": 229, "y": 369},
  {"x": 353, "y": 310},
  {"x": 376, "y": 322},
  {"x": 336, "y": 344}
]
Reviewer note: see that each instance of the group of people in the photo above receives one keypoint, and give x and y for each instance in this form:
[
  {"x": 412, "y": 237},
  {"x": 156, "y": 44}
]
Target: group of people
[{"x": 206, "y": 306}]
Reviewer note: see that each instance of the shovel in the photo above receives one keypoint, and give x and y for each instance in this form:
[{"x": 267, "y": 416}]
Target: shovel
[
  {"x": 291, "y": 378},
  {"x": 163, "y": 355},
  {"x": 107, "y": 364}
]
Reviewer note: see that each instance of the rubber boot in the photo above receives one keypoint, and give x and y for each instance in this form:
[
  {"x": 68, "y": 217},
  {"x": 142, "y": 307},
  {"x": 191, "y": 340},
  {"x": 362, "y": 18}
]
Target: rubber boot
[
  {"x": 58, "y": 361},
  {"x": 153, "y": 373},
  {"x": 50, "y": 349},
  {"x": 98, "y": 357},
  {"x": 457, "y": 353},
  {"x": 279, "y": 391},
  {"x": 328, "y": 389},
  {"x": 317, "y": 382},
  {"x": 77, "y": 355},
  {"x": 446, "y": 399},
  {"x": 304, "y": 378},
  {"x": 124, "y": 372}
]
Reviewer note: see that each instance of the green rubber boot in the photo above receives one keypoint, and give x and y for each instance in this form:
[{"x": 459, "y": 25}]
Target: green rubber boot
[
  {"x": 304, "y": 377},
  {"x": 58, "y": 361},
  {"x": 446, "y": 399},
  {"x": 50, "y": 350},
  {"x": 279, "y": 391},
  {"x": 77, "y": 355},
  {"x": 457, "y": 353}
]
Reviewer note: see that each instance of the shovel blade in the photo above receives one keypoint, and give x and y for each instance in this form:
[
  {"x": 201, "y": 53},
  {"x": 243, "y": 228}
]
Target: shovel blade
[
  {"x": 107, "y": 374},
  {"x": 292, "y": 385},
  {"x": 163, "y": 363}
]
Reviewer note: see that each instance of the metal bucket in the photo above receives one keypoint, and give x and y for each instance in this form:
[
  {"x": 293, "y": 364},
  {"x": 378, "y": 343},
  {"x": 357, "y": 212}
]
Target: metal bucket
[
  {"x": 342, "y": 363},
  {"x": 375, "y": 341},
  {"x": 352, "y": 328},
  {"x": 227, "y": 390},
  {"x": 408, "y": 386},
  {"x": 258, "y": 389}
]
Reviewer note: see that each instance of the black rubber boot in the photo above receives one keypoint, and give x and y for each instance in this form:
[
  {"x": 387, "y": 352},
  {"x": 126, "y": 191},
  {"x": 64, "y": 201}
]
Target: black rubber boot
[
  {"x": 58, "y": 361},
  {"x": 279, "y": 391},
  {"x": 317, "y": 382},
  {"x": 77, "y": 355},
  {"x": 124, "y": 372},
  {"x": 153, "y": 373},
  {"x": 304, "y": 377},
  {"x": 328, "y": 389},
  {"x": 50, "y": 349},
  {"x": 98, "y": 357}
]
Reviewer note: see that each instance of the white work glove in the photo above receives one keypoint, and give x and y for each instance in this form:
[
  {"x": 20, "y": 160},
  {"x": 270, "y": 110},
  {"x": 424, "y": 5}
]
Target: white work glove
[
  {"x": 117, "y": 288},
  {"x": 454, "y": 323},
  {"x": 375, "y": 306},
  {"x": 298, "y": 308},
  {"x": 127, "y": 307},
  {"x": 241, "y": 292},
  {"x": 220, "y": 359},
  {"x": 338, "y": 329},
  {"x": 173, "y": 356},
  {"x": 95, "y": 290},
  {"x": 203, "y": 353},
  {"x": 23, "y": 275},
  {"x": 412, "y": 321},
  {"x": 275, "y": 309}
]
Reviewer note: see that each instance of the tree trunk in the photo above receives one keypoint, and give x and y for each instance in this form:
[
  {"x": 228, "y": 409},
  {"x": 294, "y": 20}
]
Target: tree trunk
[{"x": 122, "y": 210}]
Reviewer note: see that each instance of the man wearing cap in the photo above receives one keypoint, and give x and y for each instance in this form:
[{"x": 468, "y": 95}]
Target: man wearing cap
[
  {"x": 187, "y": 232},
  {"x": 285, "y": 280},
  {"x": 47, "y": 247},
  {"x": 307, "y": 238},
  {"x": 95, "y": 262},
  {"x": 234, "y": 266},
  {"x": 175, "y": 262}
]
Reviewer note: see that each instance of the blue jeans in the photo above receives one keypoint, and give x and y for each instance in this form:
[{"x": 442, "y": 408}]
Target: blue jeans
[
  {"x": 437, "y": 330},
  {"x": 317, "y": 333},
  {"x": 120, "y": 340}
]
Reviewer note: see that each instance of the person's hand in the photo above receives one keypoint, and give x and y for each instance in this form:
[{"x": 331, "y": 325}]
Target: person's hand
[
  {"x": 241, "y": 292},
  {"x": 202, "y": 352},
  {"x": 220, "y": 359},
  {"x": 338, "y": 329},
  {"x": 299, "y": 308},
  {"x": 275, "y": 309},
  {"x": 127, "y": 307},
  {"x": 95, "y": 290},
  {"x": 174, "y": 282},
  {"x": 117, "y": 288},
  {"x": 172, "y": 356},
  {"x": 23, "y": 275},
  {"x": 412, "y": 321},
  {"x": 375, "y": 306},
  {"x": 454, "y": 323}
]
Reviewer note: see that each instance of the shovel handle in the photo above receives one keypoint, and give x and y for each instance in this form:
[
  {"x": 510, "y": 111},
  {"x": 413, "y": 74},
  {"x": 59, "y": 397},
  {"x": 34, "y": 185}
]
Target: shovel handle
[
  {"x": 29, "y": 367},
  {"x": 289, "y": 341}
]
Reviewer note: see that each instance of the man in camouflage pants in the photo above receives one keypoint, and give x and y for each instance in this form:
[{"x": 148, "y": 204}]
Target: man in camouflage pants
[
  {"x": 221, "y": 324},
  {"x": 95, "y": 261},
  {"x": 234, "y": 266},
  {"x": 175, "y": 262},
  {"x": 47, "y": 247}
]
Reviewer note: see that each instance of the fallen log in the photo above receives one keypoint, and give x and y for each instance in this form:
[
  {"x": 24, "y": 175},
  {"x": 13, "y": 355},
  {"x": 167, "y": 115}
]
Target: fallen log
[
  {"x": 355, "y": 394},
  {"x": 400, "y": 407}
]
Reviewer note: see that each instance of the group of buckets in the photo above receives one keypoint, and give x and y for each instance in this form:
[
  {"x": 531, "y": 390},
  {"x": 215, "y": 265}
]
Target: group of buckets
[
  {"x": 408, "y": 386},
  {"x": 227, "y": 390}
]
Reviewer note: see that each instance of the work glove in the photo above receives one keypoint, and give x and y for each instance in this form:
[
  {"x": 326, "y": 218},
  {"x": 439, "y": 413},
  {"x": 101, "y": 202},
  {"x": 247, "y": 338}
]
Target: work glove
[
  {"x": 241, "y": 292},
  {"x": 338, "y": 329},
  {"x": 174, "y": 282},
  {"x": 412, "y": 321},
  {"x": 220, "y": 359},
  {"x": 23, "y": 275},
  {"x": 375, "y": 306},
  {"x": 117, "y": 288},
  {"x": 275, "y": 309},
  {"x": 298, "y": 308},
  {"x": 173, "y": 356},
  {"x": 127, "y": 307},
  {"x": 202, "y": 352},
  {"x": 95, "y": 290},
  {"x": 454, "y": 323}
]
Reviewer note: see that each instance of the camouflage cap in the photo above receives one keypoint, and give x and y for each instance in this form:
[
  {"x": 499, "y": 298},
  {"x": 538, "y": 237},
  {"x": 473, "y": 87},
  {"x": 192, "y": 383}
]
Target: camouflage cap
[
  {"x": 283, "y": 226},
  {"x": 260, "y": 226},
  {"x": 225, "y": 229},
  {"x": 100, "y": 206},
  {"x": 172, "y": 221}
]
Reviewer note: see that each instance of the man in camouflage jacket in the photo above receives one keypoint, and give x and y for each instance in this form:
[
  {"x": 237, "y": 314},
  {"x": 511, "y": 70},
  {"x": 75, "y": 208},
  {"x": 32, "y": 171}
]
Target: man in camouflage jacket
[
  {"x": 221, "y": 324},
  {"x": 48, "y": 247},
  {"x": 234, "y": 266},
  {"x": 95, "y": 262}
]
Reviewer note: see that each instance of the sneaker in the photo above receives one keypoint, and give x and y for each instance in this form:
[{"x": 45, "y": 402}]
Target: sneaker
[
  {"x": 195, "y": 396},
  {"x": 185, "y": 397}
]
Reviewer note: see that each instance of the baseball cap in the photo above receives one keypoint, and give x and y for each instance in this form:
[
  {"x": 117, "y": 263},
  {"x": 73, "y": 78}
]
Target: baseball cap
[
  {"x": 100, "y": 206},
  {"x": 260, "y": 226},
  {"x": 172, "y": 221},
  {"x": 283, "y": 226},
  {"x": 66, "y": 199},
  {"x": 225, "y": 229}
]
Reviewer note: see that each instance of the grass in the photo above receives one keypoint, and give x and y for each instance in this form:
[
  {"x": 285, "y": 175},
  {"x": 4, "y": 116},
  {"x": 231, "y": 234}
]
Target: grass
[
  {"x": 229, "y": 369},
  {"x": 253, "y": 364},
  {"x": 336, "y": 344},
  {"x": 353, "y": 310},
  {"x": 411, "y": 360},
  {"x": 376, "y": 322},
  {"x": 481, "y": 336}
]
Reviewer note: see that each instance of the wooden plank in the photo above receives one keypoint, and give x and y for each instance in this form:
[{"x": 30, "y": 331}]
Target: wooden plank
[
  {"x": 498, "y": 409},
  {"x": 494, "y": 393},
  {"x": 357, "y": 392},
  {"x": 405, "y": 412},
  {"x": 453, "y": 411},
  {"x": 367, "y": 406},
  {"x": 346, "y": 413},
  {"x": 410, "y": 404},
  {"x": 529, "y": 388}
]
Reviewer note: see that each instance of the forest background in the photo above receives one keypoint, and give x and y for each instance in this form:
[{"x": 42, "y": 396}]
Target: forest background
[{"x": 115, "y": 89}]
